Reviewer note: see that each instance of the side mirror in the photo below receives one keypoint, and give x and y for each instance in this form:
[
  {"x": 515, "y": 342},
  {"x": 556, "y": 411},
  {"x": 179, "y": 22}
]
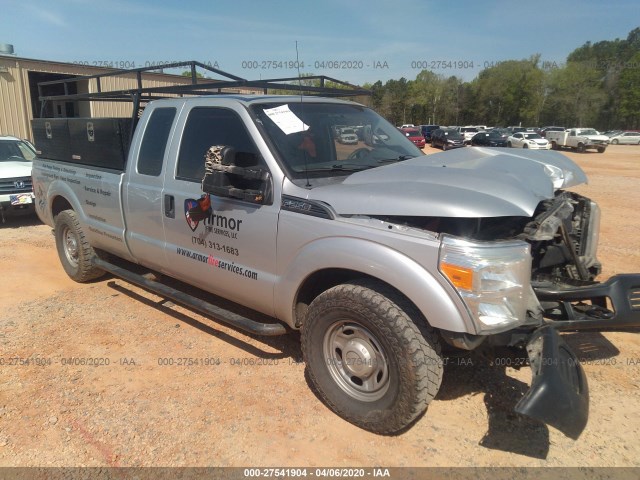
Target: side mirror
[{"x": 229, "y": 173}]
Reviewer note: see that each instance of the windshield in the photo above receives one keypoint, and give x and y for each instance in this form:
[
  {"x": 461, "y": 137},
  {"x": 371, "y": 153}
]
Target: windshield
[
  {"x": 589, "y": 131},
  {"x": 531, "y": 136},
  {"x": 15, "y": 150},
  {"x": 453, "y": 135},
  {"x": 412, "y": 133},
  {"x": 309, "y": 138}
]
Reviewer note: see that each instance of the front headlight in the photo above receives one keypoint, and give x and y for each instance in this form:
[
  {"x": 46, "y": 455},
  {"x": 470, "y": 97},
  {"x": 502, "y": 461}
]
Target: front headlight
[{"x": 492, "y": 278}]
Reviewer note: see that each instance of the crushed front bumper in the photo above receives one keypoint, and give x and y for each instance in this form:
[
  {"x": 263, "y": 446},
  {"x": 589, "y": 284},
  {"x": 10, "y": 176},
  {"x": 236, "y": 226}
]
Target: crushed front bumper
[
  {"x": 559, "y": 394},
  {"x": 621, "y": 291}
]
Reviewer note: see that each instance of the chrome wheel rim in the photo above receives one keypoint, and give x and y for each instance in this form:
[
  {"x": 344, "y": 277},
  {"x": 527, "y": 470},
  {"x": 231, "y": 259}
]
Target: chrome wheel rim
[
  {"x": 356, "y": 361},
  {"x": 70, "y": 245}
]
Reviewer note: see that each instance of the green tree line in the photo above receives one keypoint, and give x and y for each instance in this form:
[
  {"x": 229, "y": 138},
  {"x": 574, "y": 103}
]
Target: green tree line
[{"x": 598, "y": 86}]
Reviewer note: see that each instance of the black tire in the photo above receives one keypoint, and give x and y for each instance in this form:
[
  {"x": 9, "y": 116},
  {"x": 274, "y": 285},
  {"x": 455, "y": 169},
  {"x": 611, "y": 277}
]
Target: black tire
[
  {"x": 525, "y": 146},
  {"x": 601, "y": 149},
  {"x": 580, "y": 148},
  {"x": 371, "y": 356},
  {"x": 554, "y": 146},
  {"x": 615, "y": 141},
  {"x": 73, "y": 248},
  {"x": 444, "y": 147},
  {"x": 509, "y": 144}
]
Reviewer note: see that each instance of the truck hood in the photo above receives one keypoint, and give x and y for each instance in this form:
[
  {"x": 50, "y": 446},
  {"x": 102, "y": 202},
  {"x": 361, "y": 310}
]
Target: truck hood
[
  {"x": 14, "y": 169},
  {"x": 596, "y": 137},
  {"x": 468, "y": 182}
]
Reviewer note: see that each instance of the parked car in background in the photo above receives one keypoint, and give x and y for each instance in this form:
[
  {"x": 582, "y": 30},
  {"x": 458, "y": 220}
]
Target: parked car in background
[
  {"x": 544, "y": 130},
  {"x": 16, "y": 189},
  {"x": 348, "y": 136},
  {"x": 415, "y": 136},
  {"x": 447, "y": 138},
  {"x": 502, "y": 131},
  {"x": 427, "y": 130},
  {"x": 613, "y": 133},
  {"x": 468, "y": 133},
  {"x": 528, "y": 140},
  {"x": 489, "y": 139},
  {"x": 626, "y": 138},
  {"x": 407, "y": 125},
  {"x": 516, "y": 129}
]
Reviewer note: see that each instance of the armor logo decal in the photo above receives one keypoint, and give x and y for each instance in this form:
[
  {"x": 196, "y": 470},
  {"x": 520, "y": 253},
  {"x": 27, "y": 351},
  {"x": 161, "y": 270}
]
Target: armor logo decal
[{"x": 196, "y": 210}]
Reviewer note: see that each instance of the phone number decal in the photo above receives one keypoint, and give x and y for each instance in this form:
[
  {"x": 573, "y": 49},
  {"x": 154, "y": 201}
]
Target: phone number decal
[{"x": 215, "y": 246}]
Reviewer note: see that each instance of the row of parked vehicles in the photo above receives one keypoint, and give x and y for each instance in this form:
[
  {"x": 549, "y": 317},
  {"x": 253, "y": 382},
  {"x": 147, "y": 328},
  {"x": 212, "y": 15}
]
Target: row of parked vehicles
[{"x": 555, "y": 138}]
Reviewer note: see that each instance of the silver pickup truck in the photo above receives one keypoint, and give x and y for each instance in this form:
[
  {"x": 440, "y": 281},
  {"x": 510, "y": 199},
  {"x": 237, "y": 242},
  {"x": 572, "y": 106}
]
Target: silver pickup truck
[{"x": 385, "y": 259}]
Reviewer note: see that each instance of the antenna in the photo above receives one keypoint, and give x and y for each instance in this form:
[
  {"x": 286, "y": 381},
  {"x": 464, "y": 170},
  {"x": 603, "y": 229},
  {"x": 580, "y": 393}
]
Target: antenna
[{"x": 304, "y": 151}]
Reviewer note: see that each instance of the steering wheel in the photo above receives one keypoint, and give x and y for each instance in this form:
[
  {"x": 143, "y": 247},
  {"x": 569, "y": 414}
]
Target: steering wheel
[{"x": 358, "y": 153}]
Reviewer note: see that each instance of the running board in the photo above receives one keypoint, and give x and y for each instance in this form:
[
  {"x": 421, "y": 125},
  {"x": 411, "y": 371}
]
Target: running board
[{"x": 219, "y": 314}]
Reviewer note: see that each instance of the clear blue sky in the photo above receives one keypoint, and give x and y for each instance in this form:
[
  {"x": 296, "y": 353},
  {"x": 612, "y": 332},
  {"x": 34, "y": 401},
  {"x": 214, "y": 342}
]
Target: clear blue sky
[{"x": 359, "y": 35}]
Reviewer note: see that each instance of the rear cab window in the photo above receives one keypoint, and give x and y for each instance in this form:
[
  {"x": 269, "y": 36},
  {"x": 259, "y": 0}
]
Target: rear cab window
[{"x": 154, "y": 141}]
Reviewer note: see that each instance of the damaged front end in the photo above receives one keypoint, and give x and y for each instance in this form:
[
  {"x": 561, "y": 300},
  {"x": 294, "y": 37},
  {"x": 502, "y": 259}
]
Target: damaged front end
[
  {"x": 564, "y": 240},
  {"x": 563, "y": 237}
]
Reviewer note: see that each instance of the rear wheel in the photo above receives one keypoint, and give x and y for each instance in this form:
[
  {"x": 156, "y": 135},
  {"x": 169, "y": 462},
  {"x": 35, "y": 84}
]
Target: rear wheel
[
  {"x": 601, "y": 149},
  {"x": 554, "y": 146},
  {"x": 615, "y": 141},
  {"x": 580, "y": 148},
  {"x": 75, "y": 253},
  {"x": 371, "y": 356}
]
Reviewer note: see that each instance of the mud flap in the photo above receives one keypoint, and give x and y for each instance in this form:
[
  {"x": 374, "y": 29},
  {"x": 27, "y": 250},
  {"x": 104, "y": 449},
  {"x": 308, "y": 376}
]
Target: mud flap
[{"x": 559, "y": 394}]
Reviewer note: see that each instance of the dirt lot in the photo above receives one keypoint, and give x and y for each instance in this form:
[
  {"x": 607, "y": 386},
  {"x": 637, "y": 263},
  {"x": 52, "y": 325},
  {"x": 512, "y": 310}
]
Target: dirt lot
[{"x": 246, "y": 401}]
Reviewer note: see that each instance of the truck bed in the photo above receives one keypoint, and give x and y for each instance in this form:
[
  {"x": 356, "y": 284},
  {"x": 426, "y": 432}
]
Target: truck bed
[{"x": 97, "y": 192}]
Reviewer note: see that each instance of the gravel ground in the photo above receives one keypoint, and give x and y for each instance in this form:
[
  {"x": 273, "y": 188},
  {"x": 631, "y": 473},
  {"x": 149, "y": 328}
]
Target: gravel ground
[{"x": 161, "y": 386}]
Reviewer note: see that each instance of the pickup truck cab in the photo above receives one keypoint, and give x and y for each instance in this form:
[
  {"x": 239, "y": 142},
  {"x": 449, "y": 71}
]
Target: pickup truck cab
[
  {"x": 579, "y": 139},
  {"x": 382, "y": 257}
]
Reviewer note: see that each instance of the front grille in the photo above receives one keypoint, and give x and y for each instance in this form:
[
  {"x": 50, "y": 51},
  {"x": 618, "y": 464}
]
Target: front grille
[
  {"x": 634, "y": 299},
  {"x": 15, "y": 185}
]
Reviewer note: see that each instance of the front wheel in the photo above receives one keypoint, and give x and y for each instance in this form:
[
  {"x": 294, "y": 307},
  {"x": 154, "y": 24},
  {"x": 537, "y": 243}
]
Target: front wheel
[
  {"x": 74, "y": 250},
  {"x": 580, "y": 148},
  {"x": 615, "y": 141},
  {"x": 601, "y": 149},
  {"x": 371, "y": 356}
]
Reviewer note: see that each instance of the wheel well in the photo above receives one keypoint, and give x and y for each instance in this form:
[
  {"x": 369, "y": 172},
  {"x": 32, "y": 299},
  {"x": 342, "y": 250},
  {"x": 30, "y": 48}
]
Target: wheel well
[
  {"x": 58, "y": 205},
  {"x": 323, "y": 280}
]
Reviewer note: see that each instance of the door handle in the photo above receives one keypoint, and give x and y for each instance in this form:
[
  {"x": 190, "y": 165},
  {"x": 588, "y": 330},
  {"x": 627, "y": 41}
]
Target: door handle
[{"x": 169, "y": 206}]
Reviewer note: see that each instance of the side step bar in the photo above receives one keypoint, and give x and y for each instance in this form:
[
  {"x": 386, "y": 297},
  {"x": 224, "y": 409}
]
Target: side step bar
[{"x": 220, "y": 314}]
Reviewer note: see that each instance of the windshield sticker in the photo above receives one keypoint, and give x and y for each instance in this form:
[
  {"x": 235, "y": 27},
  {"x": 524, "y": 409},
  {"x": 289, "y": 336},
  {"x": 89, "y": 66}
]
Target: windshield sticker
[{"x": 284, "y": 118}]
